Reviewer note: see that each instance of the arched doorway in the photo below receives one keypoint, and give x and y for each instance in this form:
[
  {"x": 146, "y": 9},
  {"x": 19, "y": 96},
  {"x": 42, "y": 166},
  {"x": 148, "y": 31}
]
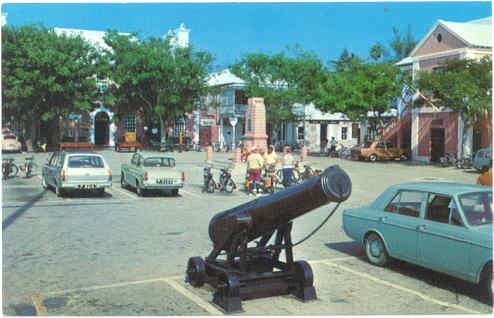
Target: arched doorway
[{"x": 101, "y": 128}]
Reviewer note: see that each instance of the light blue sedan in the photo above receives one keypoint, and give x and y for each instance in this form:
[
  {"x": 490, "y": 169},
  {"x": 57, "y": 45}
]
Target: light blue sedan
[{"x": 443, "y": 226}]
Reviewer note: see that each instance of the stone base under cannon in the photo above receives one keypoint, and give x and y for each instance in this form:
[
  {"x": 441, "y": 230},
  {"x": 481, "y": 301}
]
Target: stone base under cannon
[{"x": 253, "y": 272}]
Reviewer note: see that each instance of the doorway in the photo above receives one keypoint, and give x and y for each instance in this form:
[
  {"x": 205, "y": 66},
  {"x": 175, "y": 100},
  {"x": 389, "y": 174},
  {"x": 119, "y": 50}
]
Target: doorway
[
  {"x": 101, "y": 129},
  {"x": 477, "y": 138},
  {"x": 437, "y": 144},
  {"x": 323, "y": 135}
]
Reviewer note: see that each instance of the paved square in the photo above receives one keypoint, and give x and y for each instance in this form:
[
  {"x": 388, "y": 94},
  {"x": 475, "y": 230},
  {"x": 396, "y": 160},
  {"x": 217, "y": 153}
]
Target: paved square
[{"x": 125, "y": 255}]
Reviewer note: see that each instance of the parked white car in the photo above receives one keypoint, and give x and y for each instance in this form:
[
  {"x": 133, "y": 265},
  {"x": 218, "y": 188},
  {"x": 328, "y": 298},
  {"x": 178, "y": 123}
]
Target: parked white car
[
  {"x": 66, "y": 171},
  {"x": 10, "y": 143}
]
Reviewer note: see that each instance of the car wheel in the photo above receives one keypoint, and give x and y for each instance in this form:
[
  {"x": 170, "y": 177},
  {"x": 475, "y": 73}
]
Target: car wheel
[
  {"x": 43, "y": 182},
  {"x": 59, "y": 191},
  {"x": 375, "y": 250},
  {"x": 140, "y": 191},
  {"x": 123, "y": 184},
  {"x": 486, "y": 282},
  {"x": 230, "y": 186},
  {"x": 373, "y": 157}
]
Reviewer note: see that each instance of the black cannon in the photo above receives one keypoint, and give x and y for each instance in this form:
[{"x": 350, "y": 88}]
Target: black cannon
[{"x": 239, "y": 268}]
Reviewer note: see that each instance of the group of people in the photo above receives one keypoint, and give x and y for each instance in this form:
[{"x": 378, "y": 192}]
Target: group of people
[
  {"x": 258, "y": 160},
  {"x": 332, "y": 146}
]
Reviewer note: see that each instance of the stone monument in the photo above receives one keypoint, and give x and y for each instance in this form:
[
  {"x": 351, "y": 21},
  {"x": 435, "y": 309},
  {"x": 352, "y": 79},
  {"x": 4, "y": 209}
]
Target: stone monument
[{"x": 255, "y": 124}]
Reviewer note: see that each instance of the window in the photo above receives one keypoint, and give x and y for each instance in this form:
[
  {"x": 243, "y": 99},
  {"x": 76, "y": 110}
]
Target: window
[
  {"x": 102, "y": 85},
  {"x": 439, "y": 38},
  {"x": 300, "y": 133},
  {"x": 441, "y": 208},
  {"x": 355, "y": 130},
  {"x": 249, "y": 125},
  {"x": 477, "y": 207},
  {"x": 129, "y": 123},
  {"x": 406, "y": 203},
  {"x": 344, "y": 131},
  {"x": 389, "y": 144},
  {"x": 380, "y": 145},
  {"x": 240, "y": 98},
  {"x": 85, "y": 162},
  {"x": 159, "y": 162}
]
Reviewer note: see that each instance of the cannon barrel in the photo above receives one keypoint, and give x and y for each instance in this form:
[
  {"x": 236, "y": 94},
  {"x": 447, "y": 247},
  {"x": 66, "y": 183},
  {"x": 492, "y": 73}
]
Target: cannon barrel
[{"x": 262, "y": 216}]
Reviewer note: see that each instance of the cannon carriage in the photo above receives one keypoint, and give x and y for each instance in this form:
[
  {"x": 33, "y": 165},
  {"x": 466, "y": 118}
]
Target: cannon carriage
[{"x": 249, "y": 239}]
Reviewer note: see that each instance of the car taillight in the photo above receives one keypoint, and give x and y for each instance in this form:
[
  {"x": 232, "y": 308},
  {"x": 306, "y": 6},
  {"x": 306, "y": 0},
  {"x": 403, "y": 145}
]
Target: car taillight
[
  {"x": 110, "y": 176},
  {"x": 183, "y": 176},
  {"x": 145, "y": 176},
  {"x": 62, "y": 175}
]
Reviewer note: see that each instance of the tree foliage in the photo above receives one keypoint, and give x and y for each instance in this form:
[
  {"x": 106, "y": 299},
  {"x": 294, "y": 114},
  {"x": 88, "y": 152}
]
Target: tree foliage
[
  {"x": 463, "y": 85},
  {"x": 402, "y": 44},
  {"x": 155, "y": 77},
  {"x": 360, "y": 88},
  {"x": 281, "y": 79},
  {"x": 45, "y": 75}
]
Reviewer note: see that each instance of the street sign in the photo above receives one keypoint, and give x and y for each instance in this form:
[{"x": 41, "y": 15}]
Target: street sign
[
  {"x": 233, "y": 121},
  {"x": 207, "y": 122}
]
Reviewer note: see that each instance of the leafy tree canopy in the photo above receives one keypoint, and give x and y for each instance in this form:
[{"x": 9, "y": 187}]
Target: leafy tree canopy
[
  {"x": 402, "y": 44},
  {"x": 281, "y": 79},
  {"x": 359, "y": 89},
  {"x": 155, "y": 77},
  {"x": 463, "y": 85},
  {"x": 45, "y": 75}
]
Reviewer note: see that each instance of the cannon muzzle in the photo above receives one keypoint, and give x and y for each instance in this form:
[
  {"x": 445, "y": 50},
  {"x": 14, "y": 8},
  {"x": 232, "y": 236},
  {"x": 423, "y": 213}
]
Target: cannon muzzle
[{"x": 264, "y": 215}]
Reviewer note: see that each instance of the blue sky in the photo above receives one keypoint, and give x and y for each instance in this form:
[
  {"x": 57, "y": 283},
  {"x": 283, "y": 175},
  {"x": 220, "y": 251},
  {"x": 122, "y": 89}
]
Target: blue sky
[{"x": 229, "y": 30}]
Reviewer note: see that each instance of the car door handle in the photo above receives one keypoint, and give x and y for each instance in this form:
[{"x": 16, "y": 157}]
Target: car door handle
[
  {"x": 421, "y": 228},
  {"x": 383, "y": 219}
]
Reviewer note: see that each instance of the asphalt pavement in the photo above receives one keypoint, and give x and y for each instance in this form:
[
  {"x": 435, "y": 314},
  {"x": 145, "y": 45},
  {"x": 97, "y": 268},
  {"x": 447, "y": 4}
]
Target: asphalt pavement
[{"x": 126, "y": 255}]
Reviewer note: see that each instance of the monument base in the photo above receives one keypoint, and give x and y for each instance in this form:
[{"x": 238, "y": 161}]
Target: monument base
[{"x": 260, "y": 142}]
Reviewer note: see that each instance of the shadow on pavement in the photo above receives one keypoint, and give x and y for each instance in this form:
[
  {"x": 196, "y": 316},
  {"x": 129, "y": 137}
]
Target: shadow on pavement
[
  {"x": 430, "y": 277},
  {"x": 350, "y": 248},
  {"x": 20, "y": 211}
]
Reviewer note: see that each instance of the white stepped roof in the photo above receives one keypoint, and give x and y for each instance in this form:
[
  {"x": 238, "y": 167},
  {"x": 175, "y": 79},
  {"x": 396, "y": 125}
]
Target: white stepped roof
[
  {"x": 475, "y": 33},
  {"x": 224, "y": 77},
  {"x": 95, "y": 38}
]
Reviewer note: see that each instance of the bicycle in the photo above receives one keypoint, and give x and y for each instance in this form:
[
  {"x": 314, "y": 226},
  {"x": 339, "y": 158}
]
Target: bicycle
[
  {"x": 29, "y": 166},
  {"x": 209, "y": 183},
  {"x": 449, "y": 159},
  {"x": 9, "y": 168}
]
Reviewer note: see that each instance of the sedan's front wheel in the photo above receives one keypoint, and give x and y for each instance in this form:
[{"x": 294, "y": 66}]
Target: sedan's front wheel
[
  {"x": 373, "y": 157},
  {"x": 375, "y": 250},
  {"x": 140, "y": 191}
]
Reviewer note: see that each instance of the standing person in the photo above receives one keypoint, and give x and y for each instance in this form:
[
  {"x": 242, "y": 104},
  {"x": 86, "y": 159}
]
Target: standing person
[
  {"x": 270, "y": 158},
  {"x": 288, "y": 164},
  {"x": 333, "y": 144},
  {"x": 324, "y": 145},
  {"x": 254, "y": 166}
]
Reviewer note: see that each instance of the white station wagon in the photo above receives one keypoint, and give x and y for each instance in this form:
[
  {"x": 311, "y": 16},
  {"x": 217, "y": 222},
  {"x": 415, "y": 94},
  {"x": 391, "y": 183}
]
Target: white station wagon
[{"x": 66, "y": 171}]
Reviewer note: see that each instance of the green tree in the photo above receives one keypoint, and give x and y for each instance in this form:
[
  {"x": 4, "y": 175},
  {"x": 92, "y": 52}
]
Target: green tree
[
  {"x": 346, "y": 61},
  {"x": 463, "y": 85},
  {"x": 281, "y": 79},
  {"x": 378, "y": 52},
  {"x": 359, "y": 89},
  {"x": 45, "y": 76},
  {"x": 402, "y": 44},
  {"x": 156, "y": 78}
]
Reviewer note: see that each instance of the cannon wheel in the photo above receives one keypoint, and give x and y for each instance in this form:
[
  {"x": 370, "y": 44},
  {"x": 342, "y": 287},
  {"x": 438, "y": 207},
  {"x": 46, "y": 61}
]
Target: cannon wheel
[
  {"x": 303, "y": 273},
  {"x": 196, "y": 271},
  {"x": 305, "y": 281}
]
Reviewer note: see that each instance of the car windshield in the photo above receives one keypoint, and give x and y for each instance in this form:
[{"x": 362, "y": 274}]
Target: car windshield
[
  {"x": 159, "y": 162},
  {"x": 367, "y": 144},
  {"x": 477, "y": 207},
  {"x": 85, "y": 161}
]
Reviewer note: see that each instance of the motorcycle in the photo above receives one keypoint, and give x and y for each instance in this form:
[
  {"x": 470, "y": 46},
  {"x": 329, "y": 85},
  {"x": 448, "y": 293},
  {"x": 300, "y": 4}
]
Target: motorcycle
[
  {"x": 225, "y": 183},
  {"x": 449, "y": 159}
]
